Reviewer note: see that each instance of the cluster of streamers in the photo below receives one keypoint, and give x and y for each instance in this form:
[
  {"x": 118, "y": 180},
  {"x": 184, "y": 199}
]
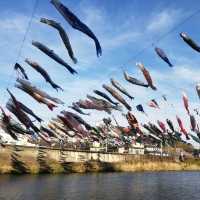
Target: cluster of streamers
[
  {"x": 153, "y": 103},
  {"x": 70, "y": 125},
  {"x": 134, "y": 80},
  {"x": 147, "y": 76},
  {"x": 76, "y": 23},
  {"x": 186, "y": 102},
  {"x": 190, "y": 42},
  {"x": 182, "y": 129},
  {"x": 39, "y": 95},
  {"x": 117, "y": 96},
  {"x": 44, "y": 73},
  {"x": 163, "y": 56},
  {"x": 97, "y": 104}
]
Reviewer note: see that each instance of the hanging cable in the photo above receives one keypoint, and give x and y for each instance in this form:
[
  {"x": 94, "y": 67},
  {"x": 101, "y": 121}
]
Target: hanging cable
[
  {"x": 153, "y": 42},
  {"x": 163, "y": 36},
  {"x": 21, "y": 47}
]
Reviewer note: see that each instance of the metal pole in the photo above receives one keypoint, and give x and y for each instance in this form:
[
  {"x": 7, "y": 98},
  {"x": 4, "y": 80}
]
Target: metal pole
[
  {"x": 115, "y": 120},
  {"x": 106, "y": 144}
]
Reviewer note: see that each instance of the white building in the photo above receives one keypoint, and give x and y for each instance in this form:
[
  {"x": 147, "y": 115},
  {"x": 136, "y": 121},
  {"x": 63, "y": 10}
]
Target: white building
[{"x": 136, "y": 148}]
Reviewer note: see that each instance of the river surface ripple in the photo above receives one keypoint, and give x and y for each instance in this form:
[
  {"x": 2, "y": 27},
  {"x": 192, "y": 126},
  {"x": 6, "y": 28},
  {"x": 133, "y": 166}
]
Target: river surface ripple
[{"x": 102, "y": 186}]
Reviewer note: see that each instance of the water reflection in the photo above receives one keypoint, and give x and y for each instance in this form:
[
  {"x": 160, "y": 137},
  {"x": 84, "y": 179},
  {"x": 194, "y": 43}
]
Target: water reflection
[{"x": 108, "y": 186}]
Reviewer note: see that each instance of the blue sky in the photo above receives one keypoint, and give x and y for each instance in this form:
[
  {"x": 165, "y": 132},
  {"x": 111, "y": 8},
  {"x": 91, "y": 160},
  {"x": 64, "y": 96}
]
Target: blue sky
[{"x": 123, "y": 30}]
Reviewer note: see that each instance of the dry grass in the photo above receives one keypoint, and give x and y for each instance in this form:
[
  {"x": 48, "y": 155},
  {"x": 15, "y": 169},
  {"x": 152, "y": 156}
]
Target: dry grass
[
  {"x": 27, "y": 164},
  {"x": 93, "y": 166},
  {"x": 155, "y": 166}
]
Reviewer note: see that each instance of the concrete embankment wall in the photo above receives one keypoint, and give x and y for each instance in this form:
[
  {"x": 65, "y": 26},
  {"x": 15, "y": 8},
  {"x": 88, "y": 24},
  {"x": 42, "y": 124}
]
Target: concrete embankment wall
[
  {"x": 67, "y": 155},
  {"x": 47, "y": 160}
]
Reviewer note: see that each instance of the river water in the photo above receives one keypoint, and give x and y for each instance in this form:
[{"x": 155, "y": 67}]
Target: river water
[{"x": 102, "y": 186}]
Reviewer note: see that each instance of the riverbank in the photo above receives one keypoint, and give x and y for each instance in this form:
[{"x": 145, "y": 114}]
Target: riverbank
[
  {"x": 94, "y": 166},
  {"x": 41, "y": 160}
]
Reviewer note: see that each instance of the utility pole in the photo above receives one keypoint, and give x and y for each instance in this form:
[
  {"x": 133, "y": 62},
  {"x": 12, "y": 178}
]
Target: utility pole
[
  {"x": 106, "y": 144},
  {"x": 115, "y": 120},
  {"x": 161, "y": 146}
]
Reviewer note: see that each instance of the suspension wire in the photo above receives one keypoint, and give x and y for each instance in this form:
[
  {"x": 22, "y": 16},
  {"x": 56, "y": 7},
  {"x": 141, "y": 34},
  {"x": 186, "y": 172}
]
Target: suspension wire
[
  {"x": 157, "y": 40},
  {"x": 21, "y": 47},
  {"x": 152, "y": 44},
  {"x": 163, "y": 36},
  {"x": 130, "y": 60}
]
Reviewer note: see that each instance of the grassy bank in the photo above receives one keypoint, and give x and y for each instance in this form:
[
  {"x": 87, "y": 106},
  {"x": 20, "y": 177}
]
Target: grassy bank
[
  {"x": 84, "y": 167},
  {"x": 16, "y": 161}
]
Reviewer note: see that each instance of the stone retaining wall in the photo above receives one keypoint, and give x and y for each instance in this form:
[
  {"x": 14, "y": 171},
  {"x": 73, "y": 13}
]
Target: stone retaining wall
[{"x": 68, "y": 155}]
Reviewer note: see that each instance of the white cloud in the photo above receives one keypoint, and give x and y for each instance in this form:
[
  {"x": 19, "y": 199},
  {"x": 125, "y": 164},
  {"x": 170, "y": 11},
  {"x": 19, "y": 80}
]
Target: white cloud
[
  {"x": 180, "y": 74},
  {"x": 120, "y": 39},
  {"x": 16, "y": 23},
  {"x": 111, "y": 37},
  {"x": 187, "y": 74},
  {"x": 163, "y": 20},
  {"x": 94, "y": 16}
]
